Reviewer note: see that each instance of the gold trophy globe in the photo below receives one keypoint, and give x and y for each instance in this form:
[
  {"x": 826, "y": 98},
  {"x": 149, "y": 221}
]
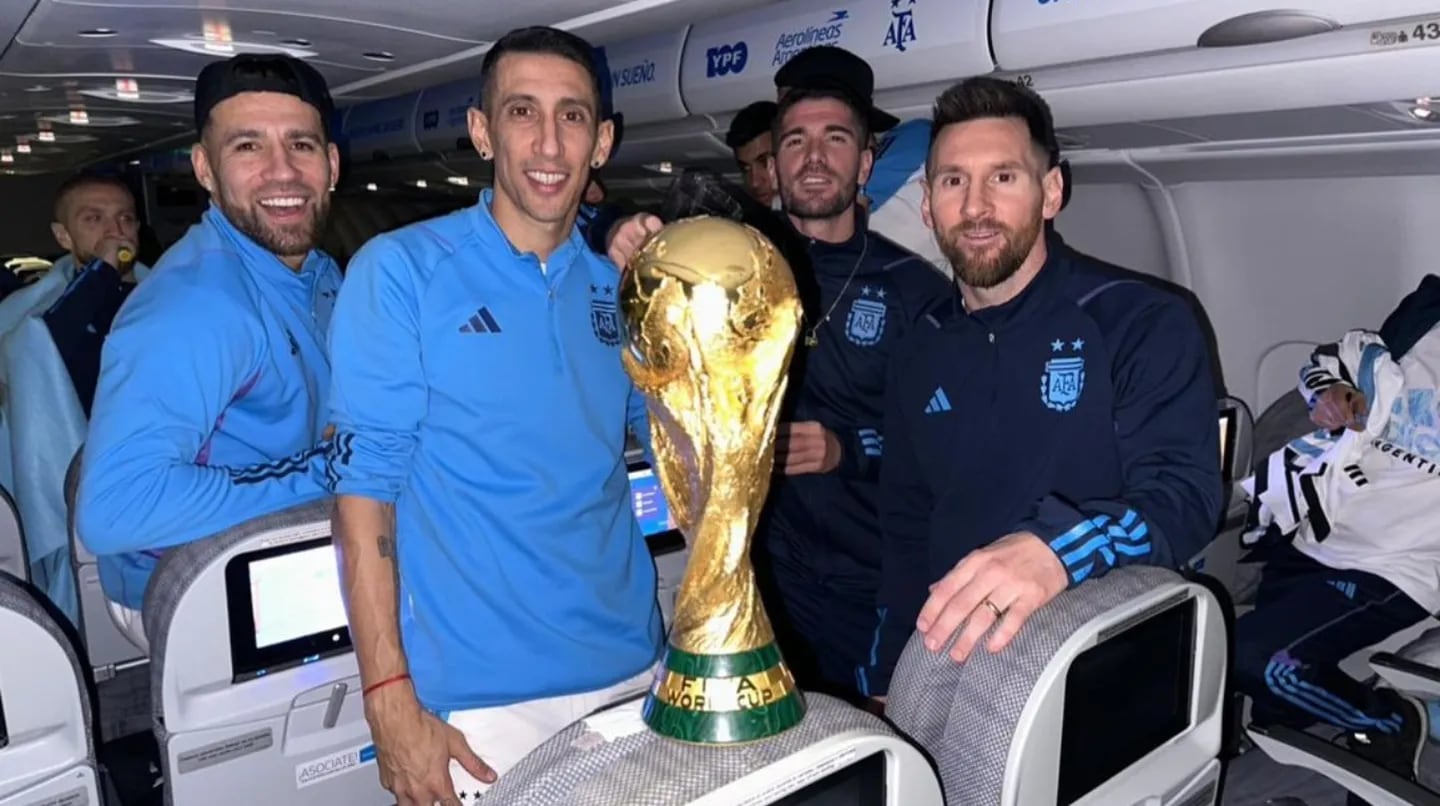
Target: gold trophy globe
[{"x": 710, "y": 313}]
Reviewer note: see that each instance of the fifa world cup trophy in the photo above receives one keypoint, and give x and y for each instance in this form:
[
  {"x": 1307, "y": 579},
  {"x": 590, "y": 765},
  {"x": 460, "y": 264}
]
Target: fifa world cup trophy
[{"x": 711, "y": 313}]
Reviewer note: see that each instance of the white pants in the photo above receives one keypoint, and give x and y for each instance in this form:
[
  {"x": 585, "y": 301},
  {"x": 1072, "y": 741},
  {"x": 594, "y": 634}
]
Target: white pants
[
  {"x": 130, "y": 623},
  {"x": 503, "y": 735}
]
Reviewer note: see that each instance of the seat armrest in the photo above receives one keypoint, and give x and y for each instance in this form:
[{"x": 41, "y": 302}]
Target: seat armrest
[{"x": 1407, "y": 675}]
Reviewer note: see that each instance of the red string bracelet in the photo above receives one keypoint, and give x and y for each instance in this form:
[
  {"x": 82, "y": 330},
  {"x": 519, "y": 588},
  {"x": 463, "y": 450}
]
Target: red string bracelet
[{"x": 387, "y": 681}]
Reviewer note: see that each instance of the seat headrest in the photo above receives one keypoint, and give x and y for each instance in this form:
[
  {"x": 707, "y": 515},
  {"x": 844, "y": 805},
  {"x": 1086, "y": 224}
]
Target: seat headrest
[
  {"x": 965, "y": 715},
  {"x": 589, "y": 765},
  {"x": 30, "y": 603},
  {"x": 180, "y": 566}
]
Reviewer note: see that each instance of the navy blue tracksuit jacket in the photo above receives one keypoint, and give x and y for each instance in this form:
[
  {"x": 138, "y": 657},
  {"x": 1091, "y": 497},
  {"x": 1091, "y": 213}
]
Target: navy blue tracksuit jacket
[
  {"x": 822, "y": 530},
  {"x": 1082, "y": 411}
]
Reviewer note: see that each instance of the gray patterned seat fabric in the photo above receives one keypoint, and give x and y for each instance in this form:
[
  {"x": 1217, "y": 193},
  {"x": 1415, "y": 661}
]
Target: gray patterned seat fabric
[
  {"x": 19, "y": 599},
  {"x": 965, "y": 715},
  {"x": 580, "y": 767},
  {"x": 178, "y": 567}
]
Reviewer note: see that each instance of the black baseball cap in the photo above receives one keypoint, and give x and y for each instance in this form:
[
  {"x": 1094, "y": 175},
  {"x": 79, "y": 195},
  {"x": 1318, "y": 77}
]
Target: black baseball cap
[
  {"x": 831, "y": 67},
  {"x": 249, "y": 72}
]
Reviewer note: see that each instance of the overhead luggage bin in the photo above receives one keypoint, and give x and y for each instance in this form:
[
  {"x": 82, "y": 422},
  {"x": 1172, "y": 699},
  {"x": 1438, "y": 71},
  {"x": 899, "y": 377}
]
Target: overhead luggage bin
[
  {"x": 1360, "y": 64},
  {"x": 644, "y": 76},
  {"x": 730, "y": 62},
  {"x": 1031, "y": 34},
  {"x": 442, "y": 122},
  {"x": 383, "y": 129}
]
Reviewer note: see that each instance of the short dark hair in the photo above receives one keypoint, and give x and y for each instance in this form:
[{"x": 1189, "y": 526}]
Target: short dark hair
[
  {"x": 986, "y": 97},
  {"x": 79, "y": 181},
  {"x": 543, "y": 40},
  {"x": 801, "y": 94},
  {"x": 751, "y": 122}
]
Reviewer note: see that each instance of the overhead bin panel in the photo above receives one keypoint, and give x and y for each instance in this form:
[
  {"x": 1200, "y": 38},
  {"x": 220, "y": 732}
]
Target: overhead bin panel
[
  {"x": 1030, "y": 34},
  {"x": 383, "y": 128},
  {"x": 442, "y": 116},
  {"x": 731, "y": 62},
  {"x": 645, "y": 76},
  {"x": 1356, "y": 65}
]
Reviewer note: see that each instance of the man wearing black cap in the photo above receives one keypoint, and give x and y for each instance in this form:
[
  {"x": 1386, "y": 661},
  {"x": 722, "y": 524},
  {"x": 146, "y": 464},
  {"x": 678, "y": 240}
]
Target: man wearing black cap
[
  {"x": 212, "y": 385},
  {"x": 750, "y": 141},
  {"x": 894, "y": 189}
]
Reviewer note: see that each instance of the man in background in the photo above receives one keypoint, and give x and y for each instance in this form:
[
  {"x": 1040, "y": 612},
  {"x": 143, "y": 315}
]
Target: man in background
[
  {"x": 88, "y": 210},
  {"x": 95, "y": 220},
  {"x": 750, "y": 140}
]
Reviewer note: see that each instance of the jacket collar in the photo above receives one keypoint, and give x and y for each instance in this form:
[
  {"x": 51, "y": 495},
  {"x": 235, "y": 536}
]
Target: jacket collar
[{"x": 491, "y": 233}]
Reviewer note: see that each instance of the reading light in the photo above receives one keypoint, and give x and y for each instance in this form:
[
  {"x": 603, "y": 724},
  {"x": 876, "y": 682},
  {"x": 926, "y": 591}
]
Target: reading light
[
  {"x": 421, "y": 183},
  {"x": 148, "y": 95},
  {"x": 46, "y": 136},
  {"x": 371, "y": 186},
  {"x": 97, "y": 33},
  {"x": 80, "y": 117},
  {"x": 22, "y": 148},
  {"x": 462, "y": 181},
  {"x": 6, "y": 156}
]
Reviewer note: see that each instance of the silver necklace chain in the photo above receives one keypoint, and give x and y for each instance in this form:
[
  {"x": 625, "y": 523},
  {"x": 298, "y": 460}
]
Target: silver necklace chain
[{"x": 813, "y": 338}]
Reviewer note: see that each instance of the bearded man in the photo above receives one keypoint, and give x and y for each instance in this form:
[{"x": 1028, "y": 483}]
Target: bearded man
[
  {"x": 213, "y": 382},
  {"x": 1056, "y": 421}
]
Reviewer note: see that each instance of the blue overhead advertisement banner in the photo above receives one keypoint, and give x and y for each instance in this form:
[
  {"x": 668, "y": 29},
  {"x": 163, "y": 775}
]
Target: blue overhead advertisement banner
[
  {"x": 731, "y": 62},
  {"x": 442, "y": 115},
  {"x": 644, "y": 76},
  {"x": 386, "y": 126}
]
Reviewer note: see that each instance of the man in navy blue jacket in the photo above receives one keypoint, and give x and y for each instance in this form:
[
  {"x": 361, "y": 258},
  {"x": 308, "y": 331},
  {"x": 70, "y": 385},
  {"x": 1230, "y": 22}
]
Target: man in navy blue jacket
[{"x": 1056, "y": 421}]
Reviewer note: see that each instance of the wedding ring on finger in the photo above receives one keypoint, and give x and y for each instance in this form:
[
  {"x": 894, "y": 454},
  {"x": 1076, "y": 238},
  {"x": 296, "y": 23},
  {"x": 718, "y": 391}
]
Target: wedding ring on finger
[{"x": 999, "y": 614}]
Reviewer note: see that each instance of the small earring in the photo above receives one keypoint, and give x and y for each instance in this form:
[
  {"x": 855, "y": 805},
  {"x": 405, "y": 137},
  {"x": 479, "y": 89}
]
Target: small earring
[
  {"x": 595, "y": 164},
  {"x": 484, "y": 155}
]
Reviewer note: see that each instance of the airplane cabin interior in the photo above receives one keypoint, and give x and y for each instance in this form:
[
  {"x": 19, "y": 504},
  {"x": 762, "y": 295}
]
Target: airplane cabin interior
[{"x": 1277, "y": 162}]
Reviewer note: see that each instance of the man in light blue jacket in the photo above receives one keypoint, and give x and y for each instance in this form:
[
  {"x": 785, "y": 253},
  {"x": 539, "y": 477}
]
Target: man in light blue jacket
[
  {"x": 212, "y": 394},
  {"x": 497, "y": 583}
]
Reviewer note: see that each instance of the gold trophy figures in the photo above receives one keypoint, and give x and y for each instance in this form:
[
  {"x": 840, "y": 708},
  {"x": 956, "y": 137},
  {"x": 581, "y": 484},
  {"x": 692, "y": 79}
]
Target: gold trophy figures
[{"x": 711, "y": 313}]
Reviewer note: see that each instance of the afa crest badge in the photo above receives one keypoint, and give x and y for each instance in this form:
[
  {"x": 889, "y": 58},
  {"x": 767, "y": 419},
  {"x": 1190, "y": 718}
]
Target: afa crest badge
[
  {"x": 603, "y": 318},
  {"x": 1062, "y": 382},
  {"x": 865, "y": 324}
]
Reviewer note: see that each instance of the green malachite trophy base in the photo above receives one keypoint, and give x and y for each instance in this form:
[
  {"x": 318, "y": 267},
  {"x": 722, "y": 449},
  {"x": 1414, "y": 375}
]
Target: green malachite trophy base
[{"x": 724, "y": 699}]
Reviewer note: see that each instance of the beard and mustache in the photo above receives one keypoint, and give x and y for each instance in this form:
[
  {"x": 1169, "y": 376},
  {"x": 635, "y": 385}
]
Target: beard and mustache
[
  {"x": 806, "y": 206},
  {"x": 290, "y": 240},
  {"x": 995, "y": 265}
]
